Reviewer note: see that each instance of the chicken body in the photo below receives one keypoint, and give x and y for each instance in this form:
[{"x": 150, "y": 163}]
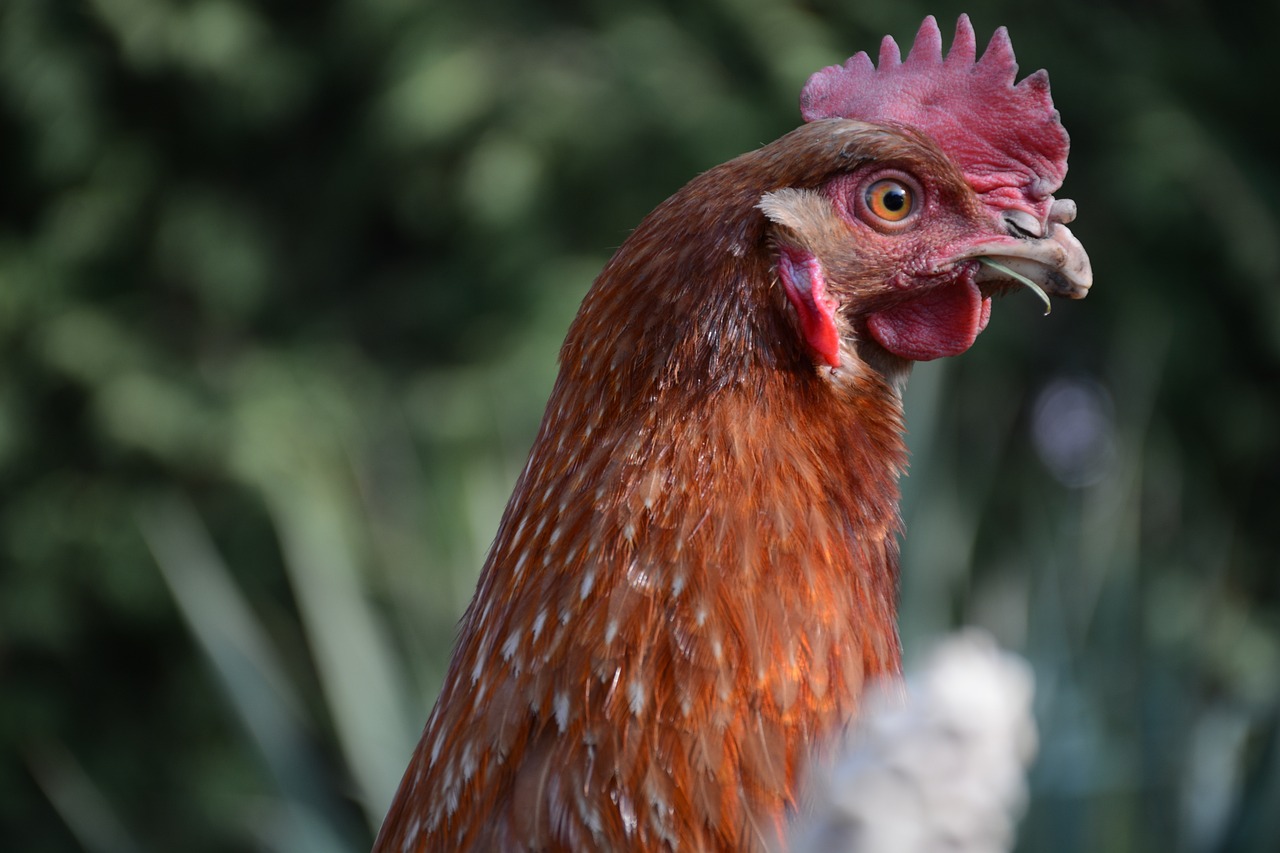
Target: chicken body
[{"x": 697, "y": 571}]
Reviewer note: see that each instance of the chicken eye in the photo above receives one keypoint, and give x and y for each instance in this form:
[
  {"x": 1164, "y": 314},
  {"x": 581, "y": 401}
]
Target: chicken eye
[{"x": 890, "y": 200}]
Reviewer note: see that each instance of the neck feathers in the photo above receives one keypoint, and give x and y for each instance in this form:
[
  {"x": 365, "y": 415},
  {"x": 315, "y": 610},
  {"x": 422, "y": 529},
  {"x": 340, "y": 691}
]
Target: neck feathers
[{"x": 694, "y": 577}]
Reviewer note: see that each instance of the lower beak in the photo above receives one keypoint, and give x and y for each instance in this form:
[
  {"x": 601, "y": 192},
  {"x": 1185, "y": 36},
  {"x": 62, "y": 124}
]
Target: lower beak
[{"x": 1057, "y": 262}]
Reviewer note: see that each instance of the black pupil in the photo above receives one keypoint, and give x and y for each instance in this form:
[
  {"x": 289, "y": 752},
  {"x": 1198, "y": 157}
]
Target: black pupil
[{"x": 894, "y": 200}]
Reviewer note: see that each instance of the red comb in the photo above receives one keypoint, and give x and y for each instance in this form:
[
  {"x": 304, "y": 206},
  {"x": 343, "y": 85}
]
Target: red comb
[{"x": 1006, "y": 137}]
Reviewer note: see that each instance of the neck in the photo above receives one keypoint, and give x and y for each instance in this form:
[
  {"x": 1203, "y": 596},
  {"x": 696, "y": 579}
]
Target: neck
[
  {"x": 695, "y": 576},
  {"x": 683, "y": 582}
]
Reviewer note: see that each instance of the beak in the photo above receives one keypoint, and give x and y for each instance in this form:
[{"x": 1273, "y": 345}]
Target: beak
[{"x": 1050, "y": 256}]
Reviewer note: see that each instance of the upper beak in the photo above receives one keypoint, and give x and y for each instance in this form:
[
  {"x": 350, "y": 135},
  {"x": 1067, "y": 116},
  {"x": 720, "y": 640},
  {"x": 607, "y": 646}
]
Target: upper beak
[{"x": 1052, "y": 257}]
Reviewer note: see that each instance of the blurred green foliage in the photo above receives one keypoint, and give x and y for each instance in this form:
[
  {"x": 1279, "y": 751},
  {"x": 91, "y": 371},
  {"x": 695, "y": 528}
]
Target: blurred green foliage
[{"x": 281, "y": 288}]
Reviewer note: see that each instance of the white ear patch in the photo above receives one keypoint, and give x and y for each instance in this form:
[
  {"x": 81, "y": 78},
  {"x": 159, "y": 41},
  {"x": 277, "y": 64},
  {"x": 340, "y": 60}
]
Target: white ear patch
[{"x": 799, "y": 210}]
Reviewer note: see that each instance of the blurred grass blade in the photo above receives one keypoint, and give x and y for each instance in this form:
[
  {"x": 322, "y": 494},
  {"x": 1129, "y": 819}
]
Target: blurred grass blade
[
  {"x": 249, "y": 670},
  {"x": 78, "y": 800},
  {"x": 366, "y": 695}
]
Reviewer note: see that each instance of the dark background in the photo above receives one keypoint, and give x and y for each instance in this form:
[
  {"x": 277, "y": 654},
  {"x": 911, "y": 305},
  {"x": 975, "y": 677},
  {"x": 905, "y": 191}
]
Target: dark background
[{"x": 281, "y": 289}]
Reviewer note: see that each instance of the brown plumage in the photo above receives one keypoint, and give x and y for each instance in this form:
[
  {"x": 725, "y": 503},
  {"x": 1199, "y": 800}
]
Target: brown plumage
[{"x": 696, "y": 573}]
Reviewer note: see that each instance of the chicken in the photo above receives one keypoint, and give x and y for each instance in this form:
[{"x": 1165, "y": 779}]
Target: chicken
[{"x": 697, "y": 572}]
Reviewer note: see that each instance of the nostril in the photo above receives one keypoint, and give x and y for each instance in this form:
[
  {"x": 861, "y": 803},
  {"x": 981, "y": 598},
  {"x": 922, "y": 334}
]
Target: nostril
[
  {"x": 1022, "y": 224},
  {"x": 1063, "y": 210}
]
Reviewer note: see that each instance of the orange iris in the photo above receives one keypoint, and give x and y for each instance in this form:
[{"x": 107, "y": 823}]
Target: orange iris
[{"x": 890, "y": 200}]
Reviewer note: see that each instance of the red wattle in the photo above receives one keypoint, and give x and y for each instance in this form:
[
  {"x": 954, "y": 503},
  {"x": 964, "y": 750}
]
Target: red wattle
[{"x": 944, "y": 321}]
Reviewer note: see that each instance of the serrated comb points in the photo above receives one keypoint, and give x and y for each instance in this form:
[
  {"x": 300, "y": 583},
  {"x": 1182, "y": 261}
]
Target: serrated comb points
[{"x": 1006, "y": 138}]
